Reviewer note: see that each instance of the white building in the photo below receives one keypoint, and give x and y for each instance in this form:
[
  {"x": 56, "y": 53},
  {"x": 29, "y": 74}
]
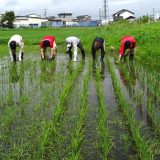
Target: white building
[
  {"x": 1, "y": 15},
  {"x": 157, "y": 17},
  {"x": 31, "y": 20},
  {"x": 123, "y": 14}
]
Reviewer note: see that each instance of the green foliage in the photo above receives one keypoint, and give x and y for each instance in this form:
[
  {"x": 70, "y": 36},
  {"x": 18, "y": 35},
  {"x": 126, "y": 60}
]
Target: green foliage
[{"x": 143, "y": 19}]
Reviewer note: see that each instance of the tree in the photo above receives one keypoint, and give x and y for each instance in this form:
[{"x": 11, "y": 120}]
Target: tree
[
  {"x": 7, "y": 19},
  {"x": 144, "y": 19}
]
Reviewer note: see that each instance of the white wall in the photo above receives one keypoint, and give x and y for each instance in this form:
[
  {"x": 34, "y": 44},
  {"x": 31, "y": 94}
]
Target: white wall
[
  {"x": 29, "y": 22},
  {"x": 126, "y": 14},
  {"x": 72, "y": 24},
  {"x": 36, "y": 21},
  {"x": 20, "y": 23}
]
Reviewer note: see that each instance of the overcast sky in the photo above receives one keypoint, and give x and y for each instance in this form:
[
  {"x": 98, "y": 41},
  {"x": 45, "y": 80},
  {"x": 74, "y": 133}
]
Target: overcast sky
[{"x": 78, "y": 7}]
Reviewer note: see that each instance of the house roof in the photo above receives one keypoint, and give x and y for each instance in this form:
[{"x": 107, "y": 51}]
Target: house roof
[
  {"x": 21, "y": 18},
  {"x": 33, "y": 15},
  {"x": 65, "y": 13},
  {"x": 131, "y": 17},
  {"x": 26, "y": 18},
  {"x": 83, "y": 16},
  {"x": 121, "y": 11}
]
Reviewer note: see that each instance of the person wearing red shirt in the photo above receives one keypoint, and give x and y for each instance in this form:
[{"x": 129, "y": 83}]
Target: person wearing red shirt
[
  {"x": 48, "y": 41},
  {"x": 127, "y": 42}
]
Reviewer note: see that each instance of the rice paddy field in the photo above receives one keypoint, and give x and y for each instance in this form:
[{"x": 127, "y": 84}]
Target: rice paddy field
[{"x": 64, "y": 110}]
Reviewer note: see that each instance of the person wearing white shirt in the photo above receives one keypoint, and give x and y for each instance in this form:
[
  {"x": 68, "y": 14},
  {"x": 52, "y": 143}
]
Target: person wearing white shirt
[
  {"x": 74, "y": 42},
  {"x": 14, "y": 42}
]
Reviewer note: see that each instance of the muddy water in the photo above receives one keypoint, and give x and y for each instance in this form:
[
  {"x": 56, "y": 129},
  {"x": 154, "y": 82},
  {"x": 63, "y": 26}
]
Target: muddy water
[
  {"x": 122, "y": 143},
  {"x": 61, "y": 148},
  {"x": 134, "y": 92},
  {"x": 122, "y": 149},
  {"x": 33, "y": 88},
  {"x": 90, "y": 150}
]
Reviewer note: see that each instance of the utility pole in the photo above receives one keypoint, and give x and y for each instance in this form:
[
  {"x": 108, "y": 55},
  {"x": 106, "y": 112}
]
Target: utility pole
[
  {"x": 105, "y": 10},
  {"x": 153, "y": 11},
  {"x": 100, "y": 14},
  {"x": 154, "y": 18},
  {"x": 45, "y": 13}
]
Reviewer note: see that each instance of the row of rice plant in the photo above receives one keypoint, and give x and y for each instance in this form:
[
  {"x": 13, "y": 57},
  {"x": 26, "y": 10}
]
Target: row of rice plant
[
  {"x": 154, "y": 115},
  {"x": 30, "y": 111},
  {"x": 78, "y": 134},
  {"x": 8, "y": 110},
  {"x": 51, "y": 128},
  {"x": 146, "y": 101},
  {"x": 103, "y": 128},
  {"x": 150, "y": 79},
  {"x": 143, "y": 147},
  {"x": 60, "y": 147},
  {"x": 151, "y": 88}
]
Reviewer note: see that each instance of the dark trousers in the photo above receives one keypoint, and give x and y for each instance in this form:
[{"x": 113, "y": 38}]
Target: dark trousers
[
  {"x": 94, "y": 50},
  {"x": 80, "y": 47},
  {"x": 130, "y": 53},
  {"x": 82, "y": 50}
]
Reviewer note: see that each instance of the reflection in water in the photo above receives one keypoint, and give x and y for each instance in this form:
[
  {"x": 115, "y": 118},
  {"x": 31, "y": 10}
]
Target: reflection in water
[
  {"x": 130, "y": 80},
  {"x": 13, "y": 74},
  {"x": 47, "y": 71},
  {"x": 73, "y": 66},
  {"x": 70, "y": 67},
  {"x": 149, "y": 120},
  {"x": 98, "y": 66},
  {"x": 16, "y": 77}
]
